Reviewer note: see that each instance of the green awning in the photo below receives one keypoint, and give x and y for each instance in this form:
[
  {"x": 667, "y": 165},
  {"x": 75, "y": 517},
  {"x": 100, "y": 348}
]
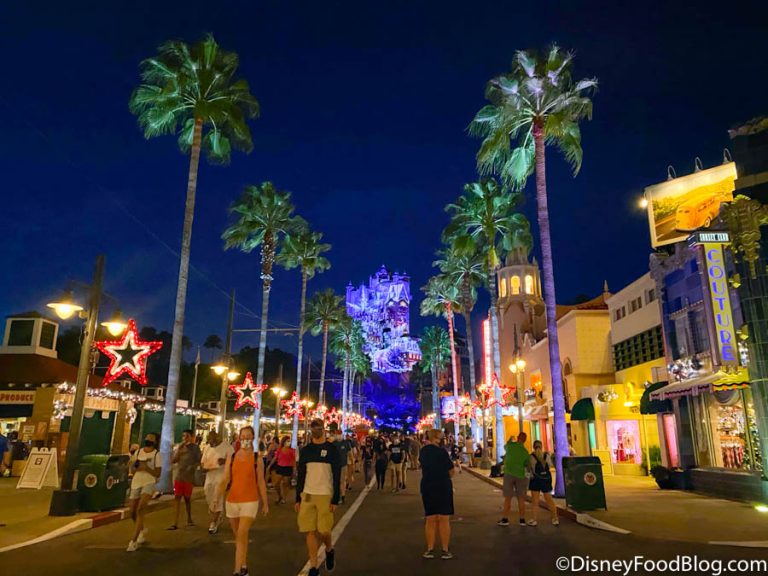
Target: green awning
[
  {"x": 583, "y": 410},
  {"x": 648, "y": 406}
]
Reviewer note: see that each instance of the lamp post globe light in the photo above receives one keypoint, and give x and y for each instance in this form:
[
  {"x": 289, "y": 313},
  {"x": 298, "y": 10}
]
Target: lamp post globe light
[
  {"x": 64, "y": 501},
  {"x": 224, "y": 369}
]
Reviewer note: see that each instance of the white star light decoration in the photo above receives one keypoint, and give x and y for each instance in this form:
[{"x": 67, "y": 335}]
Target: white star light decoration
[
  {"x": 247, "y": 392},
  {"x": 127, "y": 355}
]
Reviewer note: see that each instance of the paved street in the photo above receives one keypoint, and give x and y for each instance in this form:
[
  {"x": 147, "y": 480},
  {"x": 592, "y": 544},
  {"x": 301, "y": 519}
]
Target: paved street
[{"x": 384, "y": 537}]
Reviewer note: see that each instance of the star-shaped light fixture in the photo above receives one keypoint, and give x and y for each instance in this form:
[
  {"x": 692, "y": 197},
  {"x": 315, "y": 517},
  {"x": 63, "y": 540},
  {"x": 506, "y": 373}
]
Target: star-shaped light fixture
[
  {"x": 293, "y": 406},
  {"x": 248, "y": 392},
  {"x": 127, "y": 355}
]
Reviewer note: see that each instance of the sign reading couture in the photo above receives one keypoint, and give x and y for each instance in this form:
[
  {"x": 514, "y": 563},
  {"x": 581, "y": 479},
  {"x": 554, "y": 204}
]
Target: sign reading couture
[{"x": 721, "y": 304}]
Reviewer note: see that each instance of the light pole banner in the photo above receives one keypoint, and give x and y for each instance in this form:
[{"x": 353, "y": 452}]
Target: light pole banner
[{"x": 727, "y": 346}]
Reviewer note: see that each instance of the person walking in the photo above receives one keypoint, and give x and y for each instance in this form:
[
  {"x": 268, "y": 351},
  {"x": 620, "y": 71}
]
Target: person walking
[
  {"x": 342, "y": 449},
  {"x": 244, "y": 474},
  {"x": 145, "y": 464},
  {"x": 415, "y": 448},
  {"x": 284, "y": 465},
  {"x": 318, "y": 491},
  {"x": 187, "y": 456},
  {"x": 214, "y": 458},
  {"x": 541, "y": 483},
  {"x": 516, "y": 465},
  {"x": 366, "y": 454},
  {"x": 436, "y": 494},
  {"x": 382, "y": 463},
  {"x": 396, "y": 461}
]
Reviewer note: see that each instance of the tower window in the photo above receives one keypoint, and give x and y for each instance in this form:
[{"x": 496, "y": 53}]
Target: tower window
[
  {"x": 515, "y": 285},
  {"x": 503, "y": 287},
  {"x": 529, "y": 284}
]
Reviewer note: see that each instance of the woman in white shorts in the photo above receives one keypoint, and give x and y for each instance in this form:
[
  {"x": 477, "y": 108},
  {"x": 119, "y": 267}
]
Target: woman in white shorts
[
  {"x": 244, "y": 473},
  {"x": 146, "y": 467}
]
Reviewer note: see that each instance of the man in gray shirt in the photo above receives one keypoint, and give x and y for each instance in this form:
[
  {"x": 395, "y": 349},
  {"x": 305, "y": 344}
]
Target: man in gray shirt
[{"x": 187, "y": 458}]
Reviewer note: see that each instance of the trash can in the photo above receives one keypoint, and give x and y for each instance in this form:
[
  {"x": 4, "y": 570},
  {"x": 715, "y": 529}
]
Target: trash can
[
  {"x": 102, "y": 482},
  {"x": 584, "y": 486}
]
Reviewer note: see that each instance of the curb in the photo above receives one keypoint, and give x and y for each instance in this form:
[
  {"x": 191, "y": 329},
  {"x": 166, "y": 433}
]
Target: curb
[{"x": 91, "y": 522}]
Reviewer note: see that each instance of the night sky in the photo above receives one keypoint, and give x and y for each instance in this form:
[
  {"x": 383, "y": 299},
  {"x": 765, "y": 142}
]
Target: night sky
[{"x": 364, "y": 113}]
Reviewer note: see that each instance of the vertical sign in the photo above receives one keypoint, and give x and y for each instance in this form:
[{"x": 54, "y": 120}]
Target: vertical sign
[
  {"x": 725, "y": 333},
  {"x": 487, "y": 364}
]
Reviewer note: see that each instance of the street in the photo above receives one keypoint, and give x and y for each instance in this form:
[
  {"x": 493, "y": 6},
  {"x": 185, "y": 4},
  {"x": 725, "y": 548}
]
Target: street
[{"x": 383, "y": 537}]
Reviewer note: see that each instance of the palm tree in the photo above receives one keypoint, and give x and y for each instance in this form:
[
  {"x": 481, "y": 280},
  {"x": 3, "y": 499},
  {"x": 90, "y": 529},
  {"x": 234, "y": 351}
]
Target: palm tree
[
  {"x": 435, "y": 355},
  {"x": 441, "y": 298},
  {"x": 213, "y": 342},
  {"x": 191, "y": 91},
  {"x": 303, "y": 250},
  {"x": 535, "y": 104},
  {"x": 465, "y": 269},
  {"x": 346, "y": 345},
  {"x": 264, "y": 216},
  {"x": 325, "y": 311},
  {"x": 484, "y": 216}
]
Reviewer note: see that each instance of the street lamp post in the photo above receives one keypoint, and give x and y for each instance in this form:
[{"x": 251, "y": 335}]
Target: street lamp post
[
  {"x": 279, "y": 393},
  {"x": 517, "y": 368},
  {"x": 223, "y": 367},
  {"x": 64, "y": 501}
]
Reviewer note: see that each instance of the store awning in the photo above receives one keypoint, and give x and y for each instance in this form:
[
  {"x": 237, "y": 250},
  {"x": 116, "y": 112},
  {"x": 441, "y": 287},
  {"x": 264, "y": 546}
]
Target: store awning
[
  {"x": 727, "y": 382},
  {"x": 648, "y": 406},
  {"x": 692, "y": 387},
  {"x": 583, "y": 410},
  {"x": 538, "y": 412}
]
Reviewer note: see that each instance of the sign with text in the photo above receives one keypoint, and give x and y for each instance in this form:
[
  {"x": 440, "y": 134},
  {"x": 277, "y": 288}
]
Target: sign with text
[
  {"x": 41, "y": 469},
  {"x": 13, "y": 397},
  {"x": 725, "y": 331}
]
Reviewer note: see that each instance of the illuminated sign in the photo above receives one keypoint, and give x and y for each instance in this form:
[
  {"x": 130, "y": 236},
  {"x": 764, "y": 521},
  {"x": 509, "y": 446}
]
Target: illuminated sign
[
  {"x": 727, "y": 345},
  {"x": 487, "y": 350},
  {"x": 683, "y": 205}
]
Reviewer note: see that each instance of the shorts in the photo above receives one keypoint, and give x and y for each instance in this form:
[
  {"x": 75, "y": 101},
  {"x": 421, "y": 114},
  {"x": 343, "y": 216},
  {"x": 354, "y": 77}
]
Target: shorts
[
  {"x": 182, "y": 489},
  {"x": 514, "y": 486},
  {"x": 315, "y": 513},
  {"x": 136, "y": 493},
  {"x": 284, "y": 471},
  {"x": 242, "y": 509},
  {"x": 211, "y": 488}
]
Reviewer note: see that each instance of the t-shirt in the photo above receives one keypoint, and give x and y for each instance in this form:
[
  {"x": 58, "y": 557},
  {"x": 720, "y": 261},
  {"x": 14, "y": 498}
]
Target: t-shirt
[
  {"x": 189, "y": 459},
  {"x": 212, "y": 455},
  {"x": 143, "y": 478},
  {"x": 342, "y": 447},
  {"x": 515, "y": 459},
  {"x": 286, "y": 457},
  {"x": 396, "y": 453},
  {"x": 319, "y": 471},
  {"x": 435, "y": 466},
  {"x": 245, "y": 485}
]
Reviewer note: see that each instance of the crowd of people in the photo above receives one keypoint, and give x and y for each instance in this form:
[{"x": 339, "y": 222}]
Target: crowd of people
[{"x": 238, "y": 474}]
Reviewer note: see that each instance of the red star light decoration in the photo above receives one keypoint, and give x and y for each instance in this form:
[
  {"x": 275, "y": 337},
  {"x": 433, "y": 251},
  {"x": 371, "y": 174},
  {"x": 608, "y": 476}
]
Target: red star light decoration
[
  {"x": 293, "y": 406},
  {"x": 127, "y": 355},
  {"x": 247, "y": 392},
  {"x": 333, "y": 416}
]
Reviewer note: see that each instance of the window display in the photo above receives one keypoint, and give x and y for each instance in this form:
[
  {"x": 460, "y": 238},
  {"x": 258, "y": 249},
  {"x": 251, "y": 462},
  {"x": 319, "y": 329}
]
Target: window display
[{"x": 624, "y": 441}]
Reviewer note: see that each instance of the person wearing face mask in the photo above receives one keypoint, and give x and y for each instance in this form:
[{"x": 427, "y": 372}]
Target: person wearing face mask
[
  {"x": 318, "y": 491},
  {"x": 244, "y": 473},
  {"x": 214, "y": 457},
  {"x": 342, "y": 447},
  {"x": 397, "y": 458},
  {"x": 145, "y": 464}
]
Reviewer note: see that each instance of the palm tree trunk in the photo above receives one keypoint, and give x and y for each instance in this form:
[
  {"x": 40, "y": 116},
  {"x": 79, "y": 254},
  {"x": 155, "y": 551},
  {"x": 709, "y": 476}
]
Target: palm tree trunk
[
  {"x": 471, "y": 352},
  {"x": 455, "y": 375},
  {"x": 344, "y": 389},
  {"x": 545, "y": 240},
  {"x": 268, "y": 255},
  {"x": 436, "y": 398},
  {"x": 174, "y": 367},
  {"x": 499, "y": 440},
  {"x": 295, "y": 433},
  {"x": 321, "y": 395}
]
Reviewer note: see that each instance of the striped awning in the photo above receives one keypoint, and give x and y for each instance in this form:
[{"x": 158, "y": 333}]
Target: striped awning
[{"x": 692, "y": 387}]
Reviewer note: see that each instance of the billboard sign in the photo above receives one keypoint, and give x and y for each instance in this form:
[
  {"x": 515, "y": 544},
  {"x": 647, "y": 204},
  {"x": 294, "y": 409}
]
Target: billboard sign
[{"x": 683, "y": 205}]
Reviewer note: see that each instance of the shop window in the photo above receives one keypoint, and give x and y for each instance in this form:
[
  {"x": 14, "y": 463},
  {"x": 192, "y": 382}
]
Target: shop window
[
  {"x": 502, "y": 287},
  {"x": 592, "y": 436},
  {"x": 529, "y": 284},
  {"x": 670, "y": 440},
  {"x": 624, "y": 441},
  {"x": 735, "y": 438},
  {"x": 514, "y": 284}
]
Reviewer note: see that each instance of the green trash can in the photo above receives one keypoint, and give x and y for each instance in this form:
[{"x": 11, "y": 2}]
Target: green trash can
[
  {"x": 102, "y": 482},
  {"x": 584, "y": 486}
]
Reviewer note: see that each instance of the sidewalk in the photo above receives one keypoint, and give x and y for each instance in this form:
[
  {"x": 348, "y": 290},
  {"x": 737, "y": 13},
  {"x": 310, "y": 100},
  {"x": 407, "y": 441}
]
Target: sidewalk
[
  {"x": 637, "y": 505},
  {"x": 24, "y": 515}
]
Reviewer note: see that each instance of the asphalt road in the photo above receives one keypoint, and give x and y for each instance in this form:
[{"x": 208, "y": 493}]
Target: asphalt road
[{"x": 384, "y": 537}]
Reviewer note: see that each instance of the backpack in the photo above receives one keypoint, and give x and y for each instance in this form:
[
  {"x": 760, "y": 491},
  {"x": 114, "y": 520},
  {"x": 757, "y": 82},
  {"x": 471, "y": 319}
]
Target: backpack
[{"x": 541, "y": 469}]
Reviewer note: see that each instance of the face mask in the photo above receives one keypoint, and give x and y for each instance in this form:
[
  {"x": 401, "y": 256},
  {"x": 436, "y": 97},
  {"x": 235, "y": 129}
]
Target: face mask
[
  {"x": 247, "y": 443},
  {"x": 149, "y": 443}
]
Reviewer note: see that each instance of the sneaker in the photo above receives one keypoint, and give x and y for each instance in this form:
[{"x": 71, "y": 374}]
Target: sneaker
[
  {"x": 532, "y": 523},
  {"x": 330, "y": 560},
  {"x": 446, "y": 555},
  {"x": 555, "y": 522},
  {"x": 522, "y": 522},
  {"x": 503, "y": 522},
  {"x": 132, "y": 546},
  {"x": 243, "y": 571},
  {"x": 213, "y": 528},
  {"x": 314, "y": 572},
  {"x": 142, "y": 537},
  {"x": 429, "y": 555}
]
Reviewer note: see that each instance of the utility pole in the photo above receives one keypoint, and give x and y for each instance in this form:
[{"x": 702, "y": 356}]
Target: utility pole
[{"x": 228, "y": 362}]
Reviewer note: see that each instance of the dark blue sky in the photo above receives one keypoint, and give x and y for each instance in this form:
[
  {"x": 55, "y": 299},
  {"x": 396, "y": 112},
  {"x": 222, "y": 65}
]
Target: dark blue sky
[{"x": 364, "y": 111}]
